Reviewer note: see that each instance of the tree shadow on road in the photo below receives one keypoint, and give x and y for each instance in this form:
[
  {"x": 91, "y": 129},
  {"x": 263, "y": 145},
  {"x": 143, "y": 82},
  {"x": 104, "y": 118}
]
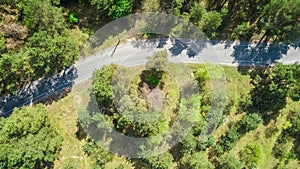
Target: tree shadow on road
[
  {"x": 56, "y": 86},
  {"x": 248, "y": 55},
  {"x": 178, "y": 45}
]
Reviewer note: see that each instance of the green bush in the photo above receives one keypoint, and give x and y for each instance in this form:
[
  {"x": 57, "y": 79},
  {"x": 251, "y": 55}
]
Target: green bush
[
  {"x": 249, "y": 122},
  {"x": 252, "y": 154}
]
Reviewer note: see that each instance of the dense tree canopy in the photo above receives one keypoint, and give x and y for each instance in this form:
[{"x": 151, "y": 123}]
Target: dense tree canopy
[
  {"x": 45, "y": 51},
  {"x": 277, "y": 82},
  {"x": 28, "y": 140},
  {"x": 42, "y": 16}
]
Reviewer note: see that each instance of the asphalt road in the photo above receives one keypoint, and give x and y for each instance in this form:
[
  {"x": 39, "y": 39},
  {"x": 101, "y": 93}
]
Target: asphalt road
[{"x": 127, "y": 55}]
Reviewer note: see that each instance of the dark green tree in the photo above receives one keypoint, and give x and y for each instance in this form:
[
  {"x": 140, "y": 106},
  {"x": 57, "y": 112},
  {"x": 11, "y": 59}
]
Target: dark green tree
[
  {"x": 277, "y": 82},
  {"x": 228, "y": 141},
  {"x": 249, "y": 122},
  {"x": 207, "y": 21}
]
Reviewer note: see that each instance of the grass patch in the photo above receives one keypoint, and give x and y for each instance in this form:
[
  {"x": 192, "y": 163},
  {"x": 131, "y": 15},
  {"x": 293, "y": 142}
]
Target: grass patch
[
  {"x": 266, "y": 135},
  {"x": 63, "y": 118}
]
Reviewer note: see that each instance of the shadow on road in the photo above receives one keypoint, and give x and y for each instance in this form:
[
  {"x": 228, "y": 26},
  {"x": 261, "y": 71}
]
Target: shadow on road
[
  {"x": 245, "y": 54},
  {"x": 178, "y": 45},
  {"x": 58, "y": 85},
  {"x": 248, "y": 55},
  {"x": 191, "y": 47}
]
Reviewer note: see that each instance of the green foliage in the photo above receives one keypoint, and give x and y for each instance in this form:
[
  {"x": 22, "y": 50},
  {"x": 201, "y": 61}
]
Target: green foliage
[
  {"x": 252, "y": 154},
  {"x": 294, "y": 130},
  {"x": 46, "y": 51},
  {"x": 101, "y": 156},
  {"x": 14, "y": 69},
  {"x": 177, "y": 6},
  {"x": 189, "y": 143},
  {"x": 279, "y": 20},
  {"x": 153, "y": 79},
  {"x": 101, "y": 85},
  {"x": 28, "y": 140},
  {"x": 115, "y": 9},
  {"x": 43, "y": 55},
  {"x": 120, "y": 8},
  {"x": 155, "y": 66},
  {"x": 208, "y": 22},
  {"x": 2, "y": 43},
  {"x": 240, "y": 32},
  {"x": 249, "y": 122},
  {"x": 163, "y": 161},
  {"x": 228, "y": 141},
  {"x": 102, "y": 4},
  {"x": 283, "y": 148},
  {"x": 211, "y": 21},
  {"x": 205, "y": 143},
  {"x": 228, "y": 161},
  {"x": 277, "y": 82},
  {"x": 142, "y": 129},
  {"x": 202, "y": 76},
  {"x": 196, "y": 160},
  {"x": 197, "y": 12},
  {"x": 42, "y": 16},
  {"x": 294, "y": 80},
  {"x": 102, "y": 122},
  {"x": 73, "y": 18}
]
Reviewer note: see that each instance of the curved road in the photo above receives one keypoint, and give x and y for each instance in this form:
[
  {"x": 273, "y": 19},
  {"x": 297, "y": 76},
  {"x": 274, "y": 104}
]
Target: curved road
[{"x": 128, "y": 55}]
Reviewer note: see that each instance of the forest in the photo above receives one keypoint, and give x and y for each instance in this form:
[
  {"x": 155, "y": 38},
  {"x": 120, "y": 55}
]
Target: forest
[{"x": 259, "y": 126}]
